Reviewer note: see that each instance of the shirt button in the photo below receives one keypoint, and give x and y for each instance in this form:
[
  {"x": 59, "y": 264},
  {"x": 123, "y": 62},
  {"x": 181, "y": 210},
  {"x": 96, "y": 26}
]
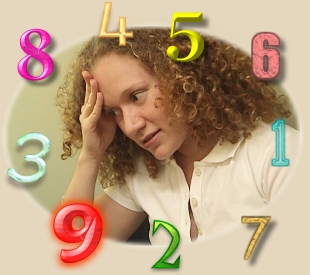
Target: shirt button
[
  {"x": 194, "y": 202},
  {"x": 200, "y": 231},
  {"x": 197, "y": 172}
]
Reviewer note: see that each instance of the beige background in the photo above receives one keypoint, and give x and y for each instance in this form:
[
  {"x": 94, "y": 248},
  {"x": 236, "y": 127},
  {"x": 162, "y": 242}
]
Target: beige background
[{"x": 28, "y": 243}]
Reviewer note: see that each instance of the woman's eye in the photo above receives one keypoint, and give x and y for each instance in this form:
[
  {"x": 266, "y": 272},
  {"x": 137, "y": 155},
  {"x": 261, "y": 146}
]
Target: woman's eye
[
  {"x": 136, "y": 96},
  {"x": 115, "y": 112}
]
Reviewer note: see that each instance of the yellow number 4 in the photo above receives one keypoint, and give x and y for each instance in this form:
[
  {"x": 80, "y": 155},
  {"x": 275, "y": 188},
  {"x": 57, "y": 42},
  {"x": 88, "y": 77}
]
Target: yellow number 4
[
  {"x": 262, "y": 221},
  {"x": 196, "y": 39},
  {"x": 122, "y": 34}
]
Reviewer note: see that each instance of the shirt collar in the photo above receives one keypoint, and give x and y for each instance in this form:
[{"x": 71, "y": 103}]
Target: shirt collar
[
  {"x": 222, "y": 152},
  {"x": 219, "y": 153}
]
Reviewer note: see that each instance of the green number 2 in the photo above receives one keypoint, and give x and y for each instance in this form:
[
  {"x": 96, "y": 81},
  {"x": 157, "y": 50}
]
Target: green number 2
[
  {"x": 175, "y": 240},
  {"x": 196, "y": 39}
]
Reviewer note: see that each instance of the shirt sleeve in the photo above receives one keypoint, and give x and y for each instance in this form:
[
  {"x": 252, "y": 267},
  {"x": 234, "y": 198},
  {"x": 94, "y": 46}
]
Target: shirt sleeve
[
  {"x": 275, "y": 177},
  {"x": 122, "y": 195}
]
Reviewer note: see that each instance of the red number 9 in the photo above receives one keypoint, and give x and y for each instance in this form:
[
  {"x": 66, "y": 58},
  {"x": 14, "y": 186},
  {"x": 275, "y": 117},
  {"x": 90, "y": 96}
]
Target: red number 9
[{"x": 89, "y": 235}]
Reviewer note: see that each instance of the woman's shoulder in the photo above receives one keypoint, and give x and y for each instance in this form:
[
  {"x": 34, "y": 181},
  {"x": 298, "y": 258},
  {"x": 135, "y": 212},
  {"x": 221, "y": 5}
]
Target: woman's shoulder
[
  {"x": 268, "y": 140},
  {"x": 278, "y": 129}
]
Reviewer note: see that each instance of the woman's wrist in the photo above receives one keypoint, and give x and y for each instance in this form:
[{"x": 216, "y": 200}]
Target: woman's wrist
[{"x": 89, "y": 159}]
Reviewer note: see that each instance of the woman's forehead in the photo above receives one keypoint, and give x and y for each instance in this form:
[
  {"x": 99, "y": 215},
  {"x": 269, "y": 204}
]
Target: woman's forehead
[
  {"x": 120, "y": 73},
  {"x": 117, "y": 62}
]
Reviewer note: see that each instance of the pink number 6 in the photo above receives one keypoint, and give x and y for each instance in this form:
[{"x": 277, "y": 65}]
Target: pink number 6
[
  {"x": 89, "y": 235},
  {"x": 36, "y": 53},
  {"x": 265, "y": 61}
]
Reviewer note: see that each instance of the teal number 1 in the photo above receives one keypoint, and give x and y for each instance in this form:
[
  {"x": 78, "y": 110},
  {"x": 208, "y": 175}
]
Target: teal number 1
[{"x": 280, "y": 160}]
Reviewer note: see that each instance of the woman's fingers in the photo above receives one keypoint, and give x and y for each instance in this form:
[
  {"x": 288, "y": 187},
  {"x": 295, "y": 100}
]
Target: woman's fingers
[
  {"x": 92, "y": 109},
  {"x": 93, "y": 94},
  {"x": 87, "y": 77},
  {"x": 88, "y": 107},
  {"x": 96, "y": 112}
]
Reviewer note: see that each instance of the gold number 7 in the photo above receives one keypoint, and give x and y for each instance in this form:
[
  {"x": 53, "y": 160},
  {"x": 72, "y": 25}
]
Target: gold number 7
[{"x": 262, "y": 221}]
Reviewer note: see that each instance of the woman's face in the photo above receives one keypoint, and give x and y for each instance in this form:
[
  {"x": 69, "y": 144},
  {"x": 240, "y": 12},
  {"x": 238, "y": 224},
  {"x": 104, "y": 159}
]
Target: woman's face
[{"x": 132, "y": 95}]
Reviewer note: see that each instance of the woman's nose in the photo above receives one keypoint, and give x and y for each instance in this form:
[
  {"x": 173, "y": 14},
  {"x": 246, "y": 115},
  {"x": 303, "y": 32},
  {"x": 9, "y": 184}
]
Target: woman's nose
[{"x": 133, "y": 121}]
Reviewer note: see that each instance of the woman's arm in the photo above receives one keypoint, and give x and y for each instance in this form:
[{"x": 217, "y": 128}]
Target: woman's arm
[
  {"x": 98, "y": 130},
  {"x": 121, "y": 222},
  {"x": 82, "y": 185}
]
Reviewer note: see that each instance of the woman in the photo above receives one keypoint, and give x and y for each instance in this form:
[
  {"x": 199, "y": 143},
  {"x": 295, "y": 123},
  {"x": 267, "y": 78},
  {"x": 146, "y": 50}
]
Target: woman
[{"x": 189, "y": 143}]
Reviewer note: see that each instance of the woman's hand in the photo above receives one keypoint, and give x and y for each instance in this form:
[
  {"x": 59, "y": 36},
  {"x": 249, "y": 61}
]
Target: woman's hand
[{"x": 98, "y": 128}]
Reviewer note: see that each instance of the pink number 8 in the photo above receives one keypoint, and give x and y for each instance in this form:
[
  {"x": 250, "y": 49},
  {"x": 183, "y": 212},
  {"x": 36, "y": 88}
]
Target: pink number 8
[{"x": 36, "y": 53}]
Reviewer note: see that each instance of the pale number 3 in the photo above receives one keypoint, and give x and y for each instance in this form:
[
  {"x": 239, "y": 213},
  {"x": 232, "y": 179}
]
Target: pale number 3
[{"x": 37, "y": 158}]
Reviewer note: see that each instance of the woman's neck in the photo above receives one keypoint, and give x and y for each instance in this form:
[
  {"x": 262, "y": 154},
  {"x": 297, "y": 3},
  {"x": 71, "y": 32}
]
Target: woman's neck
[{"x": 191, "y": 150}]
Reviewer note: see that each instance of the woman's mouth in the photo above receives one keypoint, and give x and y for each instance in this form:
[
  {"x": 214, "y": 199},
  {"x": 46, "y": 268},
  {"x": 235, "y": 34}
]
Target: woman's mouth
[{"x": 150, "y": 139}]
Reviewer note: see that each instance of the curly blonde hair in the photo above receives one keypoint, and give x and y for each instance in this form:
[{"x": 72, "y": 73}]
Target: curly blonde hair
[{"x": 215, "y": 93}]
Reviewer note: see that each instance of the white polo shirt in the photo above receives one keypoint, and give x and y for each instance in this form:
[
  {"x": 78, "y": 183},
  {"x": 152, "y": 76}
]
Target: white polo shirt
[{"x": 233, "y": 180}]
